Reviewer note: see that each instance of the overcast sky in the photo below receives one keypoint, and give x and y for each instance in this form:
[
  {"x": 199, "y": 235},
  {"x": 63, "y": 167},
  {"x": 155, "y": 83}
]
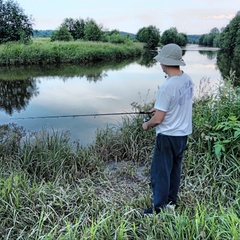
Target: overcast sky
[{"x": 188, "y": 16}]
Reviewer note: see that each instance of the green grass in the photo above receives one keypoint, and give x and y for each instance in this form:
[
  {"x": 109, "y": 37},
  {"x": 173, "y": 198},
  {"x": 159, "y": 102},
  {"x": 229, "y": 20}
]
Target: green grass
[
  {"x": 42, "y": 52},
  {"x": 51, "y": 188}
]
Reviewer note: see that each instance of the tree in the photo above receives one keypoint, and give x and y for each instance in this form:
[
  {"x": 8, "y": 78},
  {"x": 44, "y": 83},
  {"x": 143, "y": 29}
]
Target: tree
[
  {"x": 230, "y": 48},
  {"x": 79, "y": 26},
  {"x": 14, "y": 24},
  {"x": 87, "y": 29},
  {"x": 62, "y": 34},
  {"x": 182, "y": 39},
  {"x": 172, "y": 36},
  {"x": 211, "y": 39},
  {"x": 169, "y": 36},
  {"x": 215, "y": 31},
  {"x": 201, "y": 39},
  {"x": 229, "y": 36},
  {"x": 92, "y": 31},
  {"x": 216, "y": 41},
  {"x": 76, "y": 27},
  {"x": 149, "y": 35}
]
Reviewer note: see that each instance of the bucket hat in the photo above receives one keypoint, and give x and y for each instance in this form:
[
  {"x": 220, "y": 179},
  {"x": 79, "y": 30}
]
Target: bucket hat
[{"x": 170, "y": 55}]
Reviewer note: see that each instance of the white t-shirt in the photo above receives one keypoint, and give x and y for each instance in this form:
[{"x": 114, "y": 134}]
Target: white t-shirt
[{"x": 175, "y": 98}]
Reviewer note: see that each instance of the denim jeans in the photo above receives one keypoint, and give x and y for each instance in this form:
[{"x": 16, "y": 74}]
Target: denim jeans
[{"x": 166, "y": 169}]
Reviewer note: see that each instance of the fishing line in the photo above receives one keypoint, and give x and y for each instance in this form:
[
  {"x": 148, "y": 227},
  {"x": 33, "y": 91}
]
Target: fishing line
[{"x": 84, "y": 115}]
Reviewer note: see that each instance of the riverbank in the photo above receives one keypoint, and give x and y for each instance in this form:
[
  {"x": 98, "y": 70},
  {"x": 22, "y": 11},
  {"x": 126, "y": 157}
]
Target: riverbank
[
  {"x": 42, "y": 52},
  {"x": 50, "y": 190}
]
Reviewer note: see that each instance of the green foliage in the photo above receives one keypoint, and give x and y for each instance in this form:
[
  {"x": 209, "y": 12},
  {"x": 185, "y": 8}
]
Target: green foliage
[
  {"x": 116, "y": 38},
  {"x": 43, "y": 52},
  {"x": 149, "y": 35},
  {"x": 169, "y": 36},
  {"x": 217, "y": 121},
  {"x": 172, "y": 36},
  {"x": 81, "y": 29},
  {"x": 230, "y": 49},
  {"x": 231, "y": 35},
  {"x": 75, "y": 27},
  {"x": 61, "y": 35},
  {"x": 227, "y": 40},
  {"x": 212, "y": 39},
  {"x": 89, "y": 30},
  {"x": 216, "y": 40},
  {"x": 128, "y": 141},
  {"x": 182, "y": 39},
  {"x": 14, "y": 24},
  {"x": 227, "y": 137},
  {"x": 215, "y": 31},
  {"x": 92, "y": 31}
]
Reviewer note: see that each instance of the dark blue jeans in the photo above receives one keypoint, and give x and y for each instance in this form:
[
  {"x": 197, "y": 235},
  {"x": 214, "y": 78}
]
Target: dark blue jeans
[{"x": 166, "y": 169}]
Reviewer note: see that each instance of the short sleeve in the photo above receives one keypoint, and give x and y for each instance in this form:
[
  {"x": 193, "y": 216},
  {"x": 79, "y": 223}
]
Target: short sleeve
[{"x": 163, "y": 100}]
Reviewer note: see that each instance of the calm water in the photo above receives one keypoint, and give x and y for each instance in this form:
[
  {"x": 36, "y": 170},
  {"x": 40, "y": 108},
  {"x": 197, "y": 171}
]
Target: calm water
[{"x": 112, "y": 91}]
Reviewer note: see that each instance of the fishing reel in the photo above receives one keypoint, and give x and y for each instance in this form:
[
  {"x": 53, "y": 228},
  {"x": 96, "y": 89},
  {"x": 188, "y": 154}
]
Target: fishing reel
[{"x": 147, "y": 118}]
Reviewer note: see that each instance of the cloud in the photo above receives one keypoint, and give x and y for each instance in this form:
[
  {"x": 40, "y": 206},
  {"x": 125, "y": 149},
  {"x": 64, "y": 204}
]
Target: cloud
[
  {"x": 108, "y": 97},
  {"x": 222, "y": 16}
]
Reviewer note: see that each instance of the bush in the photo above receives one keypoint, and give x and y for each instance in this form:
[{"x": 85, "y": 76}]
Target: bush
[
  {"x": 216, "y": 120},
  {"x": 61, "y": 35},
  {"x": 116, "y": 39}
]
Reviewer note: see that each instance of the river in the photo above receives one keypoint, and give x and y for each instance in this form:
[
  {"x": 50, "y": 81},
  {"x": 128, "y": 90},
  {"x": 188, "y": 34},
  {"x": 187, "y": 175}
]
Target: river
[{"x": 105, "y": 90}]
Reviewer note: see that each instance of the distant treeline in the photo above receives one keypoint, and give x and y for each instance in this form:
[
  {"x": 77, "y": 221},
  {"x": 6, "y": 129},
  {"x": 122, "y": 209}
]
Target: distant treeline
[
  {"x": 194, "y": 39},
  {"x": 48, "y": 33},
  {"x": 42, "y": 33}
]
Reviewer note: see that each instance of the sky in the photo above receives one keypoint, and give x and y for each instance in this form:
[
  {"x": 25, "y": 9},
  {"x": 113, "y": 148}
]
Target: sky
[{"x": 188, "y": 16}]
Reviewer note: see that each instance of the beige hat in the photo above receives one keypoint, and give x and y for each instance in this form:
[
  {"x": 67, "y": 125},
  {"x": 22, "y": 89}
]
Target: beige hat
[{"x": 170, "y": 55}]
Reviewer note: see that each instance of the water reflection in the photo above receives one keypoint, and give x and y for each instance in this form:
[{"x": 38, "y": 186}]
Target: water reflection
[
  {"x": 227, "y": 65},
  {"x": 147, "y": 59},
  {"x": 15, "y": 95},
  {"x": 210, "y": 54},
  {"x": 97, "y": 88},
  {"x": 93, "y": 72}
]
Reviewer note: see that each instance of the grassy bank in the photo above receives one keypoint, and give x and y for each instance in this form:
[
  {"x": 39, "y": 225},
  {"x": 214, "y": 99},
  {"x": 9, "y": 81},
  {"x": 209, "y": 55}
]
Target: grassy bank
[
  {"x": 54, "y": 189},
  {"x": 41, "y": 52}
]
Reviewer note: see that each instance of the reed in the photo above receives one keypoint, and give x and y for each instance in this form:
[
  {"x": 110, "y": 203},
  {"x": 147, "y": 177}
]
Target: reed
[
  {"x": 51, "y": 188},
  {"x": 44, "y": 52}
]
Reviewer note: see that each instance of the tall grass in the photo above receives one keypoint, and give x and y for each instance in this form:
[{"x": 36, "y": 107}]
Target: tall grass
[
  {"x": 51, "y": 188},
  {"x": 43, "y": 52}
]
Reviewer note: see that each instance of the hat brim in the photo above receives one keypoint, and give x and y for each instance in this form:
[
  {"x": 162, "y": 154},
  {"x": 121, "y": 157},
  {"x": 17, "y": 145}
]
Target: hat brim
[{"x": 169, "y": 62}]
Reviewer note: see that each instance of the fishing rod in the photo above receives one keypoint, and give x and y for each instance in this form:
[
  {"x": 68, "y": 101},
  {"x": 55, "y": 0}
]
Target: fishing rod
[{"x": 85, "y": 115}]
